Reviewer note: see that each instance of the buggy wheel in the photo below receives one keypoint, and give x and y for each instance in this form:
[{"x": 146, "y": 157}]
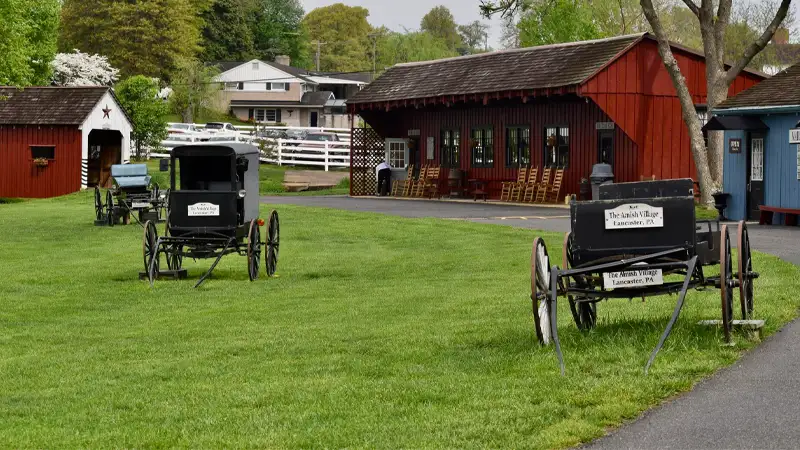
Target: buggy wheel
[
  {"x": 253, "y": 250},
  {"x": 540, "y": 291},
  {"x": 583, "y": 313},
  {"x": 745, "y": 272},
  {"x": 109, "y": 209},
  {"x": 726, "y": 282},
  {"x": 98, "y": 204},
  {"x": 273, "y": 243},
  {"x": 149, "y": 243}
]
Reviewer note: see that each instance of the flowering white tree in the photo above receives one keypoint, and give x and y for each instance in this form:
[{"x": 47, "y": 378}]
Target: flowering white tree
[{"x": 83, "y": 69}]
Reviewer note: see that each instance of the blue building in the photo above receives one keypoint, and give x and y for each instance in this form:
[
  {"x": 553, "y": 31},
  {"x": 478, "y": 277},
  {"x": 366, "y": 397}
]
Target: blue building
[{"x": 762, "y": 155}]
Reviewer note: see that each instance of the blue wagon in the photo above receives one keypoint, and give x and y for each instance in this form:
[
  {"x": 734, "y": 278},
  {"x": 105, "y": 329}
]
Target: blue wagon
[{"x": 133, "y": 191}]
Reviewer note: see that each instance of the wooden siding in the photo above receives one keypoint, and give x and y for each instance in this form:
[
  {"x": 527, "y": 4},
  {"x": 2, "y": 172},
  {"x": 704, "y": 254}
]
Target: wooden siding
[
  {"x": 18, "y": 175},
  {"x": 781, "y": 186},
  {"x": 580, "y": 115},
  {"x": 636, "y": 91}
]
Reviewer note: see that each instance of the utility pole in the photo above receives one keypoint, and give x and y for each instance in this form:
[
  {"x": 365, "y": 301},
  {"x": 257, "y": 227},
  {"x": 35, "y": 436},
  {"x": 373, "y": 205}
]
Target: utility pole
[
  {"x": 319, "y": 49},
  {"x": 374, "y": 37}
]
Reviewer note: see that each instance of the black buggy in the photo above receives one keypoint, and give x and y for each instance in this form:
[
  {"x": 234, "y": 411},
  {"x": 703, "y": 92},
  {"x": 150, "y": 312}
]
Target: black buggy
[
  {"x": 132, "y": 191},
  {"x": 638, "y": 240},
  {"x": 212, "y": 212}
]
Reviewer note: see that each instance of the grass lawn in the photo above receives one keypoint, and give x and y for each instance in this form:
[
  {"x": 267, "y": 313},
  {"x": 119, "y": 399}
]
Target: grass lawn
[
  {"x": 380, "y": 332},
  {"x": 271, "y": 180}
]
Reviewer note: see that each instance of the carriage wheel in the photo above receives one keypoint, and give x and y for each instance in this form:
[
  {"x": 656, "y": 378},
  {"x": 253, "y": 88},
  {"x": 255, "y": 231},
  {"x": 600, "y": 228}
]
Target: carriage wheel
[
  {"x": 745, "y": 269},
  {"x": 726, "y": 282},
  {"x": 149, "y": 242},
  {"x": 98, "y": 204},
  {"x": 540, "y": 286},
  {"x": 253, "y": 249},
  {"x": 273, "y": 243},
  {"x": 583, "y": 313},
  {"x": 109, "y": 209}
]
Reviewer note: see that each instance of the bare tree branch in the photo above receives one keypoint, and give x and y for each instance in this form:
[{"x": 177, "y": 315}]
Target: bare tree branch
[
  {"x": 692, "y": 7},
  {"x": 759, "y": 44}
]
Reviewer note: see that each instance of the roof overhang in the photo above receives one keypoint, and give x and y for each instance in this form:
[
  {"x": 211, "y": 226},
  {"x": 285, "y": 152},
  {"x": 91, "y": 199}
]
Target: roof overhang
[
  {"x": 757, "y": 110},
  {"x": 744, "y": 123}
]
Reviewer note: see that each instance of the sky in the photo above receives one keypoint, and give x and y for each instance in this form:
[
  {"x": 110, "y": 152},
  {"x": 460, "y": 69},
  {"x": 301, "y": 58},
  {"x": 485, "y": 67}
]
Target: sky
[{"x": 397, "y": 14}]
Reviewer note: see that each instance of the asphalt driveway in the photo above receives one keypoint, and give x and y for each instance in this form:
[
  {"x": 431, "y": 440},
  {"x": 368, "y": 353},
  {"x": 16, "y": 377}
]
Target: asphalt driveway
[{"x": 753, "y": 404}]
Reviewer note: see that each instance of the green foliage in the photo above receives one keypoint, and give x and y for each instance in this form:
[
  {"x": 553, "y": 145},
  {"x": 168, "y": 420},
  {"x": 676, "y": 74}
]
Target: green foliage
[
  {"x": 395, "y": 48},
  {"x": 439, "y": 22},
  {"x": 145, "y": 37},
  {"x": 344, "y": 30},
  {"x": 556, "y": 21},
  {"x": 193, "y": 89},
  {"x": 240, "y": 30},
  {"x": 138, "y": 96},
  {"x": 474, "y": 36},
  {"x": 27, "y": 40}
]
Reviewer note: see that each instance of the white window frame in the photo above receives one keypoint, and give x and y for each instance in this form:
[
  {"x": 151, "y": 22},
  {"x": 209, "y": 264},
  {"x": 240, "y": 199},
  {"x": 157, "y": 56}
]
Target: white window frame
[
  {"x": 394, "y": 159},
  {"x": 262, "y": 115},
  {"x": 255, "y": 65},
  {"x": 757, "y": 164},
  {"x": 271, "y": 87}
]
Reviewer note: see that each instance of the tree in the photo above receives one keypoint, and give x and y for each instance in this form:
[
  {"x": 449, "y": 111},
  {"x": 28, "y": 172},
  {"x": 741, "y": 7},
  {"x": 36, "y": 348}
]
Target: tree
[
  {"x": 474, "y": 36},
  {"x": 340, "y": 33},
  {"x": 193, "y": 89},
  {"x": 395, "y": 48},
  {"x": 27, "y": 40},
  {"x": 555, "y": 21},
  {"x": 82, "y": 69},
  {"x": 227, "y": 31},
  {"x": 278, "y": 30},
  {"x": 143, "y": 37},
  {"x": 138, "y": 95},
  {"x": 439, "y": 22},
  {"x": 714, "y": 19}
]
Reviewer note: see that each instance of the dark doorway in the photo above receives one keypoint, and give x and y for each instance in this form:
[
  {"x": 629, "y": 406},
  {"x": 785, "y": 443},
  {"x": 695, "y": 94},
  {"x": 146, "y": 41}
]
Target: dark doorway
[
  {"x": 756, "y": 150},
  {"x": 314, "y": 121},
  {"x": 413, "y": 153},
  {"x": 105, "y": 149},
  {"x": 605, "y": 146}
]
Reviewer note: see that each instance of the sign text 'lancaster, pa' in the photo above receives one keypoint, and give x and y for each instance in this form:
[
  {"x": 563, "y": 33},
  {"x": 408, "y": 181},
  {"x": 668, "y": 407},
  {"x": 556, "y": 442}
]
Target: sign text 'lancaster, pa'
[
  {"x": 633, "y": 278},
  {"x": 634, "y": 215}
]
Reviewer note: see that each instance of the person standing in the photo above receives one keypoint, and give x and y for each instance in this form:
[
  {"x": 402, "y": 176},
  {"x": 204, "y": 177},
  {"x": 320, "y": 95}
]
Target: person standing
[{"x": 384, "y": 178}]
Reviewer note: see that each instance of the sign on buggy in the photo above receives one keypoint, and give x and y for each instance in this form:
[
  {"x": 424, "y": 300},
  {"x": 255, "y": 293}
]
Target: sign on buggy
[
  {"x": 636, "y": 215},
  {"x": 203, "y": 209},
  {"x": 633, "y": 278}
]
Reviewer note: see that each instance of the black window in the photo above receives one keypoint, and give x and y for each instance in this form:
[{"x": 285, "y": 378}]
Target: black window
[
  {"x": 482, "y": 149},
  {"x": 556, "y": 146},
  {"x": 451, "y": 142},
  {"x": 43, "y": 151},
  {"x": 518, "y": 146}
]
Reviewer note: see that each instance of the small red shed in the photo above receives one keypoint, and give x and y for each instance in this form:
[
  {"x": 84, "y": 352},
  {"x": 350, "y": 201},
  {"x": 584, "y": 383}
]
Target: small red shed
[
  {"x": 57, "y": 140},
  {"x": 567, "y": 105}
]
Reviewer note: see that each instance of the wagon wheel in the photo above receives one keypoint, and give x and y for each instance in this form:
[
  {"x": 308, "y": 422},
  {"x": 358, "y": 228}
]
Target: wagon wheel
[
  {"x": 745, "y": 269},
  {"x": 583, "y": 313},
  {"x": 98, "y": 204},
  {"x": 109, "y": 209},
  {"x": 273, "y": 243},
  {"x": 540, "y": 287},
  {"x": 149, "y": 243},
  {"x": 726, "y": 282},
  {"x": 253, "y": 250}
]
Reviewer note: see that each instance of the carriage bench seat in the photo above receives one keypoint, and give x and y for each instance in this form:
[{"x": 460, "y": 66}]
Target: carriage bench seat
[
  {"x": 768, "y": 211},
  {"x": 130, "y": 175}
]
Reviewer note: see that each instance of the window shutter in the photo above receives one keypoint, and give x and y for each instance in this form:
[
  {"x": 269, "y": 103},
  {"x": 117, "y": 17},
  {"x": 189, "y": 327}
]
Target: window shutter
[
  {"x": 250, "y": 114},
  {"x": 277, "y": 115}
]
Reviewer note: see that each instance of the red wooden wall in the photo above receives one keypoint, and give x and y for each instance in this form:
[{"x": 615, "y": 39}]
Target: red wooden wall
[
  {"x": 580, "y": 115},
  {"x": 636, "y": 91},
  {"x": 19, "y": 177}
]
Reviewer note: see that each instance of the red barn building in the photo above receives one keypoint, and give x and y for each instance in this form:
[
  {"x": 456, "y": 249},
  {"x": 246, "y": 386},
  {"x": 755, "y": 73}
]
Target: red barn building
[
  {"x": 57, "y": 140},
  {"x": 606, "y": 100}
]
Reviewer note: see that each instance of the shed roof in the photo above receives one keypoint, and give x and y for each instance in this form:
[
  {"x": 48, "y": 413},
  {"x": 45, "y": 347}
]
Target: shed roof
[
  {"x": 546, "y": 66},
  {"x": 48, "y": 105},
  {"x": 779, "y": 90}
]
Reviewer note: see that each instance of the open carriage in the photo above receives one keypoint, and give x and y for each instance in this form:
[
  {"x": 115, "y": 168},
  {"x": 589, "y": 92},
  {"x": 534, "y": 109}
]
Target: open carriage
[
  {"x": 638, "y": 240},
  {"x": 133, "y": 191},
  {"x": 213, "y": 211}
]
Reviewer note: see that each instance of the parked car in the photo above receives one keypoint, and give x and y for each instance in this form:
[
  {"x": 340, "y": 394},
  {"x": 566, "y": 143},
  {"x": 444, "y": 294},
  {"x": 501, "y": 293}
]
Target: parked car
[
  {"x": 220, "y": 127},
  {"x": 295, "y": 135},
  {"x": 272, "y": 134},
  {"x": 320, "y": 137},
  {"x": 182, "y": 128}
]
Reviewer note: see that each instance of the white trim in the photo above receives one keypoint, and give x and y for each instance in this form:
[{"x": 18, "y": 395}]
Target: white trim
[{"x": 724, "y": 111}]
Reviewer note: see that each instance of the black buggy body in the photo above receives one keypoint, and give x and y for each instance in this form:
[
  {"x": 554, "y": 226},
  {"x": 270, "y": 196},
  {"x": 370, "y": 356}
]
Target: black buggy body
[{"x": 213, "y": 211}]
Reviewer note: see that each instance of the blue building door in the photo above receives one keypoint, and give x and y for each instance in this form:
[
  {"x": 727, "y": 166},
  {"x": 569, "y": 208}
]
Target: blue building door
[{"x": 755, "y": 175}]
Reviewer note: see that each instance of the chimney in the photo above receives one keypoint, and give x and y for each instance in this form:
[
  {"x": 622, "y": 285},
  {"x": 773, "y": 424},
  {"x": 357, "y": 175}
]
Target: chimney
[
  {"x": 283, "y": 59},
  {"x": 781, "y": 36}
]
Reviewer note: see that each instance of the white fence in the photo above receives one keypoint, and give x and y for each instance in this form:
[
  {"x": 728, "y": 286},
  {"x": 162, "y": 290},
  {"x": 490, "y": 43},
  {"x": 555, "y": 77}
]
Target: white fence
[
  {"x": 325, "y": 154},
  {"x": 250, "y": 130}
]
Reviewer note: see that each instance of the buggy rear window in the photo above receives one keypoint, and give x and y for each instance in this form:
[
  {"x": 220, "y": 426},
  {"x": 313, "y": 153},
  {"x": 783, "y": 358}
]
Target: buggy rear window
[{"x": 204, "y": 173}]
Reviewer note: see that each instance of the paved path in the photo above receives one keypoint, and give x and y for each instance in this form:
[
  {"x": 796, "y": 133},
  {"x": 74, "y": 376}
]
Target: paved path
[{"x": 753, "y": 404}]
